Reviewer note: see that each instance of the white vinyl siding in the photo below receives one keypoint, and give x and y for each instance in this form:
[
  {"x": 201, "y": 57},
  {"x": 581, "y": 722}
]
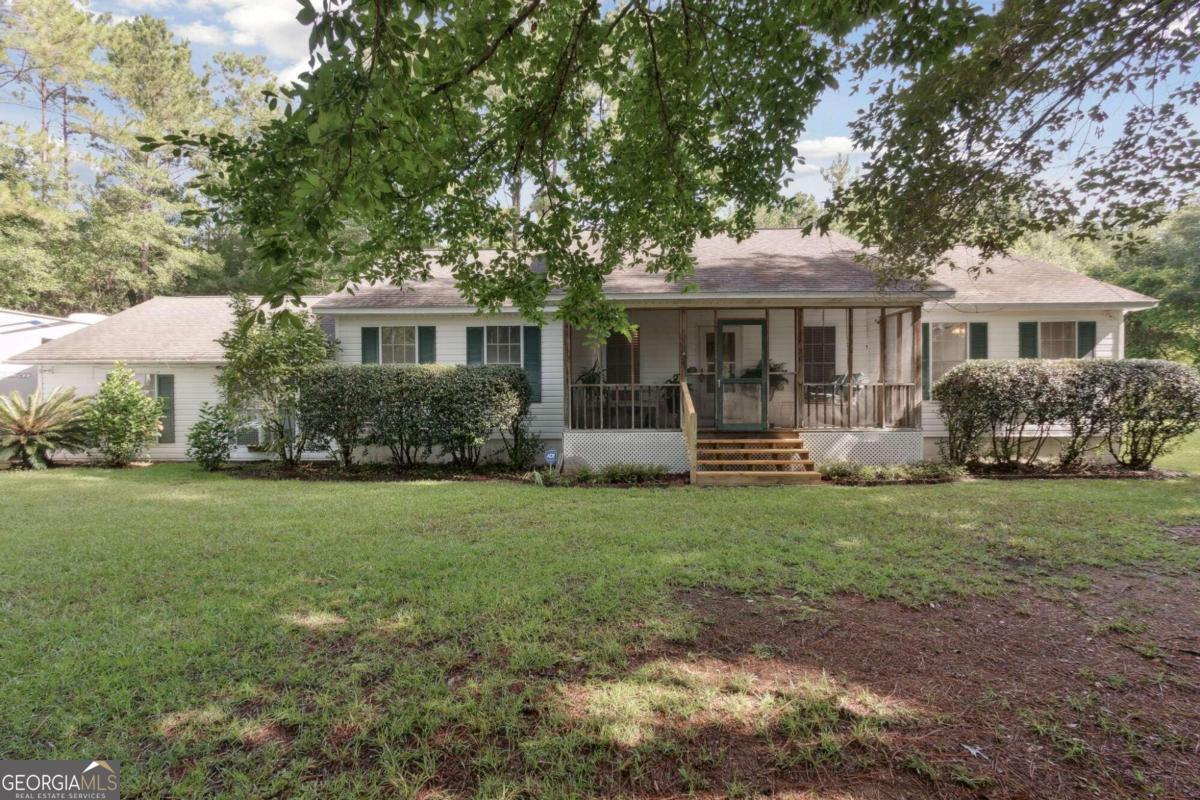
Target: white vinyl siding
[{"x": 193, "y": 385}]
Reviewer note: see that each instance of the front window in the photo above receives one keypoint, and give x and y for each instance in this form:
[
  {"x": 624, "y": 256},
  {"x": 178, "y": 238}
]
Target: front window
[
  {"x": 948, "y": 347},
  {"x": 620, "y": 359},
  {"x": 1057, "y": 340},
  {"x": 398, "y": 345},
  {"x": 504, "y": 344}
]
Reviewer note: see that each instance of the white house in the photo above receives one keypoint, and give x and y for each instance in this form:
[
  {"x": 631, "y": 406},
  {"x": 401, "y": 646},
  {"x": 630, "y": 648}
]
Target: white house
[
  {"x": 20, "y": 331},
  {"x": 789, "y": 353}
]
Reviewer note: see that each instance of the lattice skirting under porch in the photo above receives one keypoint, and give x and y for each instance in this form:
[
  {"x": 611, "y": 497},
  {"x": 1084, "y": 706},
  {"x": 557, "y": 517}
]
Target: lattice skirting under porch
[
  {"x": 598, "y": 449},
  {"x": 864, "y": 447}
]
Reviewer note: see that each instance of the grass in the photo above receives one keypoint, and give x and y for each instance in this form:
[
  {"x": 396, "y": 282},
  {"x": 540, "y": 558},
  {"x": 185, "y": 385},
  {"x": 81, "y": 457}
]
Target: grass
[{"x": 256, "y": 638}]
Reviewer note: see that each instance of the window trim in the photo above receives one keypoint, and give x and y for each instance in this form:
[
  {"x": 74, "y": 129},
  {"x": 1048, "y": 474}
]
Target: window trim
[{"x": 520, "y": 329}]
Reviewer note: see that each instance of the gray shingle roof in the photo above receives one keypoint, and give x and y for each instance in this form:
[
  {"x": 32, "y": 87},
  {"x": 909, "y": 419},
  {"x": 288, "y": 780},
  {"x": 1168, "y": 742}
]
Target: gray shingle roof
[
  {"x": 161, "y": 330},
  {"x": 1018, "y": 280},
  {"x": 768, "y": 263}
]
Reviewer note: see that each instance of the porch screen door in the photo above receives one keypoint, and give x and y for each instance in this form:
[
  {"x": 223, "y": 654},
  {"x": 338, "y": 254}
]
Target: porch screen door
[{"x": 742, "y": 375}]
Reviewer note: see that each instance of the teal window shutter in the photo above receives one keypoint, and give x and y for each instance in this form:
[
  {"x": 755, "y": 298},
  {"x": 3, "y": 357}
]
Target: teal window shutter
[
  {"x": 978, "y": 346},
  {"x": 427, "y": 344},
  {"x": 1027, "y": 339},
  {"x": 475, "y": 345},
  {"x": 164, "y": 389},
  {"x": 532, "y": 353},
  {"x": 1085, "y": 340},
  {"x": 926, "y": 357},
  {"x": 370, "y": 345}
]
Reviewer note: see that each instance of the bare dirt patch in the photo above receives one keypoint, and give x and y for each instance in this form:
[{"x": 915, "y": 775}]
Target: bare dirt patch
[{"x": 1048, "y": 692}]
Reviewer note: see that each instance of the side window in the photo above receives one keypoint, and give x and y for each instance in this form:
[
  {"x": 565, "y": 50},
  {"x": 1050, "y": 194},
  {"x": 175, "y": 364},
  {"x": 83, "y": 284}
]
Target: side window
[
  {"x": 398, "y": 344},
  {"x": 503, "y": 344},
  {"x": 164, "y": 389},
  {"x": 1057, "y": 340}
]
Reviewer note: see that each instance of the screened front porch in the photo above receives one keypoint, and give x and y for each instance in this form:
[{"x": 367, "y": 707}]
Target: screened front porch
[{"x": 750, "y": 369}]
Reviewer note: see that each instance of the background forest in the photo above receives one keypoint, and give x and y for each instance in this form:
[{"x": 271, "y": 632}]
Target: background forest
[{"x": 91, "y": 222}]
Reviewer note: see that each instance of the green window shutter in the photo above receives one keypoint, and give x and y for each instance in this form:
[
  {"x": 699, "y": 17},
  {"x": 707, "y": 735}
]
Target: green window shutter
[
  {"x": 926, "y": 357},
  {"x": 978, "y": 347},
  {"x": 370, "y": 345},
  {"x": 1027, "y": 336},
  {"x": 532, "y": 352},
  {"x": 475, "y": 345},
  {"x": 1085, "y": 340},
  {"x": 164, "y": 389},
  {"x": 427, "y": 344}
]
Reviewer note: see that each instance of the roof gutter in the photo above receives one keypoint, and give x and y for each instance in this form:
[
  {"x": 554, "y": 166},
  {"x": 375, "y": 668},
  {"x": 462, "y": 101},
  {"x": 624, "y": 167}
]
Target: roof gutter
[{"x": 780, "y": 299}]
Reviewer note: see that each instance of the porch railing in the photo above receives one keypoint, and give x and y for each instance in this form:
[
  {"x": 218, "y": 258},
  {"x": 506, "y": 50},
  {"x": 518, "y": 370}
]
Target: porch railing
[
  {"x": 832, "y": 405},
  {"x": 689, "y": 423},
  {"x": 848, "y": 405},
  {"x": 624, "y": 406}
]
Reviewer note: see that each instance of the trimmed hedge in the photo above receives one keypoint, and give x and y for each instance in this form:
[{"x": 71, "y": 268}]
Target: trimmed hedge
[
  {"x": 1137, "y": 408},
  {"x": 410, "y": 410}
]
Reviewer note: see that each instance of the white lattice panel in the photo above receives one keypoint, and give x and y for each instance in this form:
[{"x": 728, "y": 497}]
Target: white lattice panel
[
  {"x": 864, "y": 447},
  {"x": 598, "y": 449}
]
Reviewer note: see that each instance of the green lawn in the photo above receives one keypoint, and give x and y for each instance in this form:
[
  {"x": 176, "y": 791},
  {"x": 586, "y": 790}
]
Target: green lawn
[{"x": 260, "y": 638}]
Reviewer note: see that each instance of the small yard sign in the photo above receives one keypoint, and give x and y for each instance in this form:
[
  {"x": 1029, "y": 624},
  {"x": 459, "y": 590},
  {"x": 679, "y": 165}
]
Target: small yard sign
[{"x": 551, "y": 457}]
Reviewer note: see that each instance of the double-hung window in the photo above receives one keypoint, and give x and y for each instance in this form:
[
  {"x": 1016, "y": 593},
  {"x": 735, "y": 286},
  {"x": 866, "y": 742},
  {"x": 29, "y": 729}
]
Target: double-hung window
[
  {"x": 398, "y": 344},
  {"x": 1057, "y": 340},
  {"x": 503, "y": 344}
]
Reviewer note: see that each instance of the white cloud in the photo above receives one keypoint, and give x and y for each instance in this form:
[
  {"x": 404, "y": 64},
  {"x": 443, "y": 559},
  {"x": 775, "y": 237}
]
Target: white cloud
[
  {"x": 269, "y": 24},
  {"x": 143, "y": 5},
  {"x": 202, "y": 33},
  {"x": 826, "y": 147}
]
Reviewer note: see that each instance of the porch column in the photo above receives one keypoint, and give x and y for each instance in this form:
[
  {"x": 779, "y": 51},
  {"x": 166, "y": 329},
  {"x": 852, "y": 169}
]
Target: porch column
[
  {"x": 568, "y": 368},
  {"x": 918, "y": 368},
  {"x": 881, "y": 390},
  {"x": 798, "y": 373},
  {"x": 848, "y": 417}
]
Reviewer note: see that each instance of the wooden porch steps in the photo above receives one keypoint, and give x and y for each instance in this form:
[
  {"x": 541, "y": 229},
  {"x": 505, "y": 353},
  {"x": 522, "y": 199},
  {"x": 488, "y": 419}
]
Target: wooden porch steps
[{"x": 758, "y": 458}]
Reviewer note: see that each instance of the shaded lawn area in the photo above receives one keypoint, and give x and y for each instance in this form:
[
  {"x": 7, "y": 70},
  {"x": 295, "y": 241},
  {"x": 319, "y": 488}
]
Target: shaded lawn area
[{"x": 257, "y": 638}]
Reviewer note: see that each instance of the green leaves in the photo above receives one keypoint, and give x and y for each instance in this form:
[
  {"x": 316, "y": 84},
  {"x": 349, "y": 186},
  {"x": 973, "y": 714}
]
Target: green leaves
[{"x": 633, "y": 131}]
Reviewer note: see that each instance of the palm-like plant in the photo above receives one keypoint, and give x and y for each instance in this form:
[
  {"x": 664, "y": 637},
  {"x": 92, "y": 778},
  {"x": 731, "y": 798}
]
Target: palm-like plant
[{"x": 30, "y": 428}]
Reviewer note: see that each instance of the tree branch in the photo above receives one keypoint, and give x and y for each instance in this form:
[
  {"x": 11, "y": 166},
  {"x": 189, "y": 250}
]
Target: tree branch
[{"x": 491, "y": 49}]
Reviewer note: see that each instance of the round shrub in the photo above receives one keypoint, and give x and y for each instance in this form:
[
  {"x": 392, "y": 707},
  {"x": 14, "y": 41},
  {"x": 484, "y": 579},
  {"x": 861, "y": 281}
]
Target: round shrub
[
  {"x": 1012, "y": 404},
  {"x": 122, "y": 419},
  {"x": 336, "y": 405},
  {"x": 468, "y": 404},
  {"x": 401, "y": 417},
  {"x": 212, "y": 436},
  {"x": 1154, "y": 405}
]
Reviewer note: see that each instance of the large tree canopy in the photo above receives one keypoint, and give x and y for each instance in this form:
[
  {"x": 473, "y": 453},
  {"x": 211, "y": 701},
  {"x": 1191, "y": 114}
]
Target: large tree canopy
[
  {"x": 642, "y": 125},
  {"x": 1050, "y": 113}
]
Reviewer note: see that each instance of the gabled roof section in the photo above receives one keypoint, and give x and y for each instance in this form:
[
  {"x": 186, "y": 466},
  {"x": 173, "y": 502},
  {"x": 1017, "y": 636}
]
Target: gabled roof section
[
  {"x": 770, "y": 263},
  {"x": 173, "y": 330},
  {"x": 1021, "y": 280}
]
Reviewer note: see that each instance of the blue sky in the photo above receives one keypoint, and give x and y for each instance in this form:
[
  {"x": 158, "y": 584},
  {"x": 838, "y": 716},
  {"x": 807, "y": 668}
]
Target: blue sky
[{"x": 269, "y": 28}]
